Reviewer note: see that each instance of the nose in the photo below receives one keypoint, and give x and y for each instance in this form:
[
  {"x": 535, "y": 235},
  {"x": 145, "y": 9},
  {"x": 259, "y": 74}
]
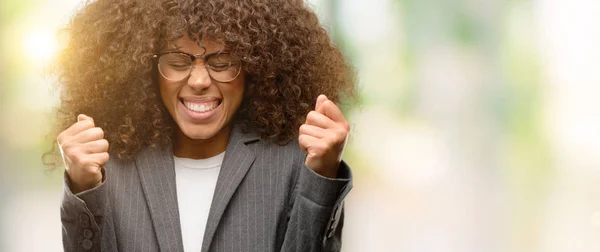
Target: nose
[{"x": 199, "y": 77}]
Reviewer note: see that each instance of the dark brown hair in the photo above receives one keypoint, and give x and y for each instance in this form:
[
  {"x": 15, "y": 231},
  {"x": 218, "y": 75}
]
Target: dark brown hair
[{"x": 106, "y": 70}]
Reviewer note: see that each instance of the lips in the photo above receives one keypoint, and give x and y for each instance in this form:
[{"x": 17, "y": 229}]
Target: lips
[{"x": 201, "y": 110}]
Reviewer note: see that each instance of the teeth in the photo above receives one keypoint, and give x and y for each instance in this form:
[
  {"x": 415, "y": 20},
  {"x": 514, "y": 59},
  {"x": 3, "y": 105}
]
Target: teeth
[{"x": 201, "y": 107}]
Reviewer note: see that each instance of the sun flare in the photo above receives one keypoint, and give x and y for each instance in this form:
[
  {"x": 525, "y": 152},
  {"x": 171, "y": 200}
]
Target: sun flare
[{"x": 39, "y": 46}]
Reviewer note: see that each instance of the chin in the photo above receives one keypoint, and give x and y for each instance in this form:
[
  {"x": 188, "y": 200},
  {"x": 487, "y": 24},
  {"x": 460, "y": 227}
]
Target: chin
[{"x": 198, "y": 132}]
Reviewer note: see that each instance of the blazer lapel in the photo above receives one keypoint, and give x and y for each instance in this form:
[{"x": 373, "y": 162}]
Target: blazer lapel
[
  {"x": 157, "y": 174},
  {"x": 238, "y": 159}
]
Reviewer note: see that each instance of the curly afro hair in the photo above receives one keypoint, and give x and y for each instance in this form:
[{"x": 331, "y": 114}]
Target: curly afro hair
[{"x": 106, "y": 71}]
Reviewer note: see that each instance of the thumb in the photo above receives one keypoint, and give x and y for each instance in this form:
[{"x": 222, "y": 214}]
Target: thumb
[
  {"x": 82, "y": 117},
  {"x": 320, "y": 100}
]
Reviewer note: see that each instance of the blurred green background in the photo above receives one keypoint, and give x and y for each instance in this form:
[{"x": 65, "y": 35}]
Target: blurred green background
[{"x": 478, "y": 130}]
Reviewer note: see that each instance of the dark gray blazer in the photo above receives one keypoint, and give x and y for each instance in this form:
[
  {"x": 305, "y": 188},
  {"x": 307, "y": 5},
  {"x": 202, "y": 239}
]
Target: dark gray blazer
[{"x": 266, "y": 199}]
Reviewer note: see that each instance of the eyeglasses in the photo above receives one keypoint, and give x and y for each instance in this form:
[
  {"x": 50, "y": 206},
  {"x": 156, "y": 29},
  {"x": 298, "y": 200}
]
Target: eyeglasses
[{"x": 176, "y": 65}]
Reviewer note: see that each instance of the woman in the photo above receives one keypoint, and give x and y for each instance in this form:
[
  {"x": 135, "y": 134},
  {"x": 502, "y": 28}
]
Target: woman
[{"x": 201, "y": 126}]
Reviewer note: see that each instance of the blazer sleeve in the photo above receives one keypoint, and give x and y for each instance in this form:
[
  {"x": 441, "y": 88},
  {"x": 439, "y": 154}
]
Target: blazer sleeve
[
  {"x": 81, "y": 216},
  {"x": 316, "y": 213}
]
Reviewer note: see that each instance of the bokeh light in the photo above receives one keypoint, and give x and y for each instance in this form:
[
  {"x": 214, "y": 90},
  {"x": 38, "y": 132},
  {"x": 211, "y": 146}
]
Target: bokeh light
[{"x": 39, "y": 47}]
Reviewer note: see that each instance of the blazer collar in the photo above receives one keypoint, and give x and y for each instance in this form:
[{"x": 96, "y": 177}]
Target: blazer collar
[
  {"x": 238, "y": 159},
  {"x": 156, "y": 170}
]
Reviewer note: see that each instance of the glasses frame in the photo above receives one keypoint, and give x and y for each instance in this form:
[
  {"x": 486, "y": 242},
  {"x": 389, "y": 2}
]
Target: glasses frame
[{"x": 193, "y": 58}]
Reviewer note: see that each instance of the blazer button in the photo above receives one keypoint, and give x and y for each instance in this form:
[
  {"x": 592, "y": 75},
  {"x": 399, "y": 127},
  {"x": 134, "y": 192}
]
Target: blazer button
[
  {"x": 330, "y": 229},
  {"x": 86, "y": 244},
  {"x": 87, "y": 233},
  {"x": 333, "y": 222},
  {"x": 330, "y": 232},
  {"x": 84, "y": 220}
]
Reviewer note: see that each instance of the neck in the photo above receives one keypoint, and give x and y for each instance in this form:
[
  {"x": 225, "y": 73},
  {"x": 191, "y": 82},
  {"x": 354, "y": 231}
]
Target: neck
[{"x": 185, "y": 147}]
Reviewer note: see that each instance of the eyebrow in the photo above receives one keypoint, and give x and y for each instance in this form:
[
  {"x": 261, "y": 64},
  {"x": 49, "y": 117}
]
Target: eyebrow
[{"x": 178, "y": 50}]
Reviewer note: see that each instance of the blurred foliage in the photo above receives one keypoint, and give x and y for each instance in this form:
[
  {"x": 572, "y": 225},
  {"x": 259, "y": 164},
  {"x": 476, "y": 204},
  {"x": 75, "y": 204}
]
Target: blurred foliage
[{"x": 499, "y": 132}]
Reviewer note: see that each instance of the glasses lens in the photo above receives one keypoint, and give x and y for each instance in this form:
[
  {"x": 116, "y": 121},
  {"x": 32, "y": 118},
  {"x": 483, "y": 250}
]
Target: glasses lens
[
  {"x": 223, "y": 67},
  {"x": 174, "y": 66}
]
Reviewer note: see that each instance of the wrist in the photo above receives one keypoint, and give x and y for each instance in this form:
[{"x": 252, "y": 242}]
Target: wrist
[
  {"x": 330, "y": 172},
  {"x": 80, "y": 187}
]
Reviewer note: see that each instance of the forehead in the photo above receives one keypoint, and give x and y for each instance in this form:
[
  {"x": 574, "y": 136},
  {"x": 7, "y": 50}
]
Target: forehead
[{"x": 193, "y": 46}]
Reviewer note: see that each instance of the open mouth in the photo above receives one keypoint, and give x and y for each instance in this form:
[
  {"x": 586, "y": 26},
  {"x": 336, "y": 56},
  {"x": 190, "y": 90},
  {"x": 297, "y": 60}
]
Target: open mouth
[{"x": 201, "y": 107}]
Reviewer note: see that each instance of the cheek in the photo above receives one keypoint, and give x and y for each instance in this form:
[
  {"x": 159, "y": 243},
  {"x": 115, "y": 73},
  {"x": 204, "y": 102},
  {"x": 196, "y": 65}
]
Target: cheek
[
  {"x": 238, "y": 89},
  {"x": 233, "y": 94},
  {"x": 168, "y": 93},
  {"x": 236, "y": 96}
]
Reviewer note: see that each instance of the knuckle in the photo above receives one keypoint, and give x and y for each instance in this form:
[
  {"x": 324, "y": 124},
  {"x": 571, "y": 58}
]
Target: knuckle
[
  {"x": 105, "y": 144},
  {"x": 303, "y": 128},
  {"x": 103, "y": 158},
  {"x": 341, "y": 135},
  {"x": 301, "y": 138},
  {"x": 87, "y": 124},
  {"x": 96, "y": 132},
  {"x": 346, "y": 126},
  {"x": 62, "y": 137},
  {"x": 68, "y": 149},
  {"x": 68, "y": 146}
]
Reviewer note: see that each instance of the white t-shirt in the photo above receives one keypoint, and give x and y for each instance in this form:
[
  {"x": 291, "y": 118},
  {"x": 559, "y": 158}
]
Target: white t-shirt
[{"x": 196, "y": 180}]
